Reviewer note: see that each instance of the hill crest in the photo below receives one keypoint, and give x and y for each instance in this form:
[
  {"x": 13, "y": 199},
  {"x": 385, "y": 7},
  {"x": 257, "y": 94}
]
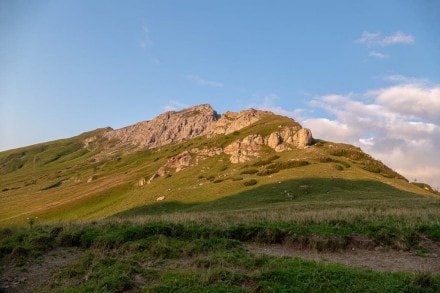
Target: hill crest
[
  {"x": 177, "y": 126},
  {"x": 104, "y": 172}
]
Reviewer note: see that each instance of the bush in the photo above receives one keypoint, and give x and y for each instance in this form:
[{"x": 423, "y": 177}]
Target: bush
[
  {"x": 330, "y": 160},
  {"x": 349, "y": 153},
  {"x": 250, "y": 182},
  {"x": 223, "y": 168},
  {"x": 249, "y": 171},
  {"x": 266, "y": 162},
  {"x": 276, "y": 167},
  {"x": 338, "y": 167}
]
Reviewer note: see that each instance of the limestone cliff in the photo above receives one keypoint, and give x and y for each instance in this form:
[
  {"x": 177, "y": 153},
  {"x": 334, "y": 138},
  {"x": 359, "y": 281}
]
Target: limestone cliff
[
  {"x": 167, "y": 128},
  {"x": 202, "y": 120},
  {"x": 234, "y": 121}
]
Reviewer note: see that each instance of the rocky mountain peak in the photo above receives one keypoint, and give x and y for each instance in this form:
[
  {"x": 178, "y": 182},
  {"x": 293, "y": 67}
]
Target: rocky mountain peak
[
  {"x": 201, "y": 120},
  {"x": 169, "y": 127},
  {"x": 234, "y": 121},
  {"x": 199, "y": 110}
]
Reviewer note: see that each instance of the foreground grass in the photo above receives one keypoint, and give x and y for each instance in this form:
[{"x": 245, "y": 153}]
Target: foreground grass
[{"x": 163, "y": 257}]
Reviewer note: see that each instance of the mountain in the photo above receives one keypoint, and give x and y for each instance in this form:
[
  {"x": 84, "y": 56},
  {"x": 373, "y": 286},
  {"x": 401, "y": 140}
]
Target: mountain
[{"x": 184, "y": 158}]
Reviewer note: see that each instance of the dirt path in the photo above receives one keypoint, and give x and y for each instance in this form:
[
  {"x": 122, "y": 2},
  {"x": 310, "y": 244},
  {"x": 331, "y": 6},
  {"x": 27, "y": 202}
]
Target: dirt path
[
  {"x": 34, "y": 276},
  {"x": 378, "y": 260}
]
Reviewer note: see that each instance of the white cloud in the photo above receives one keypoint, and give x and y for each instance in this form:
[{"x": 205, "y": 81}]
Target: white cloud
[
  {"x": 400, "y": 125},
  {"x": 367, "y": 141},
  {"x": 145, "y": 41},
  {"x": 401, "y": 79},
  {"x": 376, "y": 39},
  {"x": 411, "y": 100},
  {"x": 174, "y": 105},
  {"x": 368, "y": 38},
  {"x": 397, "y": 38},
  {"x": 201, "y": 81},
  {"x": 334, "y": 130},
  {"x": 377, "y": 54},
  {"x": 268, "y": 104},
  {"x": 146, "y": 44}
]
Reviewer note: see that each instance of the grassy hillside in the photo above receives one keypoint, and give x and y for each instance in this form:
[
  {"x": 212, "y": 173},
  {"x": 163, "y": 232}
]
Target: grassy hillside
[
  {"x": 62, "y": 180},
  {"x": 84, "y": 220}
]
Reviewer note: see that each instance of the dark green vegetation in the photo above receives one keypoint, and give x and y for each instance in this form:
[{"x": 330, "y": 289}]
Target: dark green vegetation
[
  {"x": 192, "y": 257},
  {"x": 186, "y": 231}
]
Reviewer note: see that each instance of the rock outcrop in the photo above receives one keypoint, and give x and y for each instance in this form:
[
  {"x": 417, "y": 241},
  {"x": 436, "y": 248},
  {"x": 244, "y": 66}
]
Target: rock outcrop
[
  {"x": 184, "y": 160},
  {"x": 234, "y": 121},
  {"x": 167, "y": 128},
  {"x": 172, "y": 127},
  {"x": 249, "y": 148},
  {"x": 289, "y": 138},
  {"x": 246, "y": 149},
  {"x": 179, "y": 162}
]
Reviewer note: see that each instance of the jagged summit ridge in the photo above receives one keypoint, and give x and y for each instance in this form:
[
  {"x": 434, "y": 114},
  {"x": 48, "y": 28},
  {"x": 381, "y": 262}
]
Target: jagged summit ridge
[
  {"x": 201, "y": 120},
  {"x": 167, "y": 128}
]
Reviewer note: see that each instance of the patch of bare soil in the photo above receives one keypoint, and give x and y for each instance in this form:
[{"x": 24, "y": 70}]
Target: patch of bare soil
[
  {"x": 377, "y": 259},
  {"x": 36, "y": 275}
]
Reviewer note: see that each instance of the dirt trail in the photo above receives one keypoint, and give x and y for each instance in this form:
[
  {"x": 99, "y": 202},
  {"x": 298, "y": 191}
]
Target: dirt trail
[
  {"x": 378, "y": 260},
  {"x": 32, "y": 277}
]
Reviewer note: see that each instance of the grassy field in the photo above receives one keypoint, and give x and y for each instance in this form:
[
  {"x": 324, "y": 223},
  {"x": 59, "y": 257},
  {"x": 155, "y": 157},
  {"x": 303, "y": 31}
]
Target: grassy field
[
  {"x": 200, "y": 246},
  {"x": 184, "y": 255}
]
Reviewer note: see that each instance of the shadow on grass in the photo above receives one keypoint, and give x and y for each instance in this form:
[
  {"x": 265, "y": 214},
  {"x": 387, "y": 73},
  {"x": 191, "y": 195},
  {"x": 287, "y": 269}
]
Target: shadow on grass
[{"x": 303, "y": 190}]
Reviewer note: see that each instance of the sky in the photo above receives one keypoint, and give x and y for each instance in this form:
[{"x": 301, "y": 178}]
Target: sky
[{"x": 360, "y": 72}]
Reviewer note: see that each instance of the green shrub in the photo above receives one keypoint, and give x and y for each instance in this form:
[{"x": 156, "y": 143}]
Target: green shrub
[
  {"x": 249, "y": 171},
  {"x": 250, "y": 182},
  {"x": 331, "y": 160},
  {"x": 266, "y": 161},
  {"x": 352, "y": 154},
  {"x": 338, "y": 167},
  {"x": 223, "y": 168},
  {"x": 276, "y": 167}
]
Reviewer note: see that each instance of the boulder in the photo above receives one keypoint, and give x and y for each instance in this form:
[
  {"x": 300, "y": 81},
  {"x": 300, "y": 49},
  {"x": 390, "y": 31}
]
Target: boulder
[
  {"x": 302, "y": 138},
  {"x": 246, "y": 149},
  {"x": 274, "y": 140},
  {"x": 141, "y": 181}
]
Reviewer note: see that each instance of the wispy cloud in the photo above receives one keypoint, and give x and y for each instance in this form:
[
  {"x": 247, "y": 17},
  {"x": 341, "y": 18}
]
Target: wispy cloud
[
  {"x": 376, "y": 39},
  {"x": 145, "y": 41},
  {"x": 401, "y": 79},
  {"x": 204, "y": 82},
  {"x": 411, "y": 100},
  {"x": 268, "y": 103},
  {"x": 368, "y": 38},
  {"x": 397, "y": 38},
  {"x": 377, "y": 54},
  {"x": 146, "y": 44},
  {"x": 400, "y": 126},
  {"x": 174, "y": 105}
]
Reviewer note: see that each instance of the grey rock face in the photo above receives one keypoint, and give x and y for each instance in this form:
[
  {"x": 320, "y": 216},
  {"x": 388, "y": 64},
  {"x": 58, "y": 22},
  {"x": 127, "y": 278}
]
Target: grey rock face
[
  {"x": 167, "y": 128},
  {"x": 171, "y": 127},
  {"x": 246, "y": 149}
]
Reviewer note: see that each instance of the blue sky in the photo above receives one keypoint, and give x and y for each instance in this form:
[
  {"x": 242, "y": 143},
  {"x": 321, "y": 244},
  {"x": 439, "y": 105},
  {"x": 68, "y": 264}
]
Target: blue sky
[{"x": 362, "y": 72}]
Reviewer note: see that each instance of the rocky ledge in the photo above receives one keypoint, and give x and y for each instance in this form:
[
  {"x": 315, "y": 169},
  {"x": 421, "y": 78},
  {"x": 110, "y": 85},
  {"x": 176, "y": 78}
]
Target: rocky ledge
[{"x": 203, "y": 120}]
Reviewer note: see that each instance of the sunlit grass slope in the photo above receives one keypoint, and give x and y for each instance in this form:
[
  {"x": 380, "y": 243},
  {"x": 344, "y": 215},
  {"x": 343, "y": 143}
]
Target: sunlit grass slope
[{"x": 61, "y": 180}]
